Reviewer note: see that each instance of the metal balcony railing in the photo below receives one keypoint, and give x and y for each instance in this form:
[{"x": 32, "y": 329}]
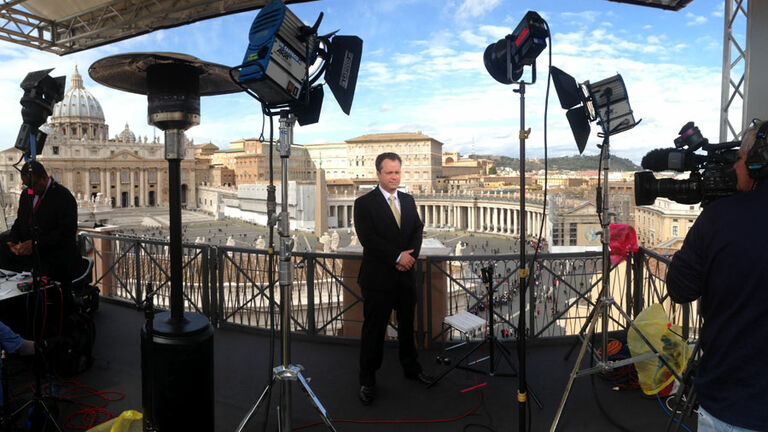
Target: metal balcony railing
[{"x": 231, "y": 286}]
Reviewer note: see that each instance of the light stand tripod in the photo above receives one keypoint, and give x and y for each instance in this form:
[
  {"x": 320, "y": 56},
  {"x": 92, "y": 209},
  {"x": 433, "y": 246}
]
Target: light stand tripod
[
  {"x": 685, "y": 400},
  {"x": 40, "y": 416},
  {"x": 606, "y": 301},
  {"x": 490, "y": 340},
  {"x": 285, "y": 373}
]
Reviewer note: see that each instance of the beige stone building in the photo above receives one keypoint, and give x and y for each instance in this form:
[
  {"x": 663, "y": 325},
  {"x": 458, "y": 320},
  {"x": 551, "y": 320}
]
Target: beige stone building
[
  {"x": 333, "y": 158},
  {"x": 665, "y": 223},
  {"x": 455, "y": 165},
  {"x": 126, "y": 171},
  {"x": 247, "y": 162},
  {"x": 421, "y": 154},
  {"x": 574, "y": 223}
]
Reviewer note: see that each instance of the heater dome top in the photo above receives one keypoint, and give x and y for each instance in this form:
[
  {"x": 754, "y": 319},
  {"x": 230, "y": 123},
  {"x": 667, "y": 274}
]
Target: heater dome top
[{"x": 128, "y": 72}]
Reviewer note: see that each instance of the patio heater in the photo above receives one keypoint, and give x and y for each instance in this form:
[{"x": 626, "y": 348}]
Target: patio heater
[{"x": 176, "y": 346}]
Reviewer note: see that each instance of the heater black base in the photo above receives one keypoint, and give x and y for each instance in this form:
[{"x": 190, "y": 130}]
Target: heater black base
[{"x": 177, "y": 373}]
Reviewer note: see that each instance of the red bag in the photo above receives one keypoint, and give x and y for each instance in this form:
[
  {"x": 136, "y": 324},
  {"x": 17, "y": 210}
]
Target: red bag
[{"x": 623, "y": 240}]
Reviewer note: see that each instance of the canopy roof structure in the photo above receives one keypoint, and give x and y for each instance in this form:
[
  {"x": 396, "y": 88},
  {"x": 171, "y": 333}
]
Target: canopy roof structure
[
  {"x": 674, "y": 5},
  {"x": 65, "y": 27}
]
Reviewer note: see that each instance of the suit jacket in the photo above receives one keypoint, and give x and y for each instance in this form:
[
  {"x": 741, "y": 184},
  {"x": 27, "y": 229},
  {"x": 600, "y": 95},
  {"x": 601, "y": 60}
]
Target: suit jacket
[
  {"x": 56, "y": 218},
  {"x": 383, "y": 241}
]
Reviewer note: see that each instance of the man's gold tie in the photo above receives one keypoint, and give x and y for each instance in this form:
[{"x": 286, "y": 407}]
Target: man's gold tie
[{"x": 394, "y": 209}]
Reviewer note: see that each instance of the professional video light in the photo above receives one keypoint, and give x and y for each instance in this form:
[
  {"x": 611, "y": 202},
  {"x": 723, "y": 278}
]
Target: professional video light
[
  {"x": 281, "y": 50},
  {"x": 605, "y": 101},
  {"x": 41, "y": 92},
  {"x": 505, "y": 59}
]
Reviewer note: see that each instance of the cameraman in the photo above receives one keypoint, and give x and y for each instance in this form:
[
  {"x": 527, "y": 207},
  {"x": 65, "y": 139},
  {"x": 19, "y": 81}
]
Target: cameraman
[{"x": 723, "y": 263}]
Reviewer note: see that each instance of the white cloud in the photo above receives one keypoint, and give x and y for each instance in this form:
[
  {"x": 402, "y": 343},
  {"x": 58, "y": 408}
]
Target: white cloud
[
  {"x": 584, "y": 17},
  {"x": 495, "y": 32},
  {"x": 475, "y": 8},
  {"x": 473, "y": 39},
  {"x": 406, "y": 59},
  {"x": 719, "y": 11},
  {"x": 695, "y": 19}
]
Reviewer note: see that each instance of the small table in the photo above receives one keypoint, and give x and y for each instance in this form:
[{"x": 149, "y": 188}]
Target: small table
[
  {"x": 9, "y": 284},
  {"x": 15, "y": 303}
]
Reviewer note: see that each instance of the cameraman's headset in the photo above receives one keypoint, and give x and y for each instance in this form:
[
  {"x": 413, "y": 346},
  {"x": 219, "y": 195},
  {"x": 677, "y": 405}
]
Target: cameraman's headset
[{"x": 757, "y": 157}]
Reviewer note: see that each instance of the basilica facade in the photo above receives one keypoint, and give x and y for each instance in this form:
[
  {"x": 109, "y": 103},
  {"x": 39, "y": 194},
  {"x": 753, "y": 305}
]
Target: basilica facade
[{"x": 122, "y": 171}]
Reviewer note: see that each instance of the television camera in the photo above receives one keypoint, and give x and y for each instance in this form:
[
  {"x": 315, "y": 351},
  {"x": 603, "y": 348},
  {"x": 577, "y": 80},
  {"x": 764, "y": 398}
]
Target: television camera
[{"x": 712, "y": 174}]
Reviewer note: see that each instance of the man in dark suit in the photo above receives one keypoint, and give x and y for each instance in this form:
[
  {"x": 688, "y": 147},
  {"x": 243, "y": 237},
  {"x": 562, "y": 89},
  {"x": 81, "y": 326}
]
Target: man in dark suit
[
  {"x": 48, "y": 208},
  {"x": 390, "y": 231}
]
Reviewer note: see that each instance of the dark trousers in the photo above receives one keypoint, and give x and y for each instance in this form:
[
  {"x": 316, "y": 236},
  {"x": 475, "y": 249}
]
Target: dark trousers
[{"x": 377, "y": 308}]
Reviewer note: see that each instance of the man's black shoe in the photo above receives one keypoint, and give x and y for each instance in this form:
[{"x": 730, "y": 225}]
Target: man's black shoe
[
  {"x": 422, "y": 378},
  {"x": 367, "y": 394}
]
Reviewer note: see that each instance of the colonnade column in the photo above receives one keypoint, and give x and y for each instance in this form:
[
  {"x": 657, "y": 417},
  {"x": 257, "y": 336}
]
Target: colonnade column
[
  {"x": 159, "y": 192},
  {"x": 133, "y": 189},
  {"x": 108, "y": 185},
  {"x": 87, "y": 184},
  {"x": 515, "y": 229},
  {"x": 142, "y": 188},
  {"x": 118, "y": 191}
]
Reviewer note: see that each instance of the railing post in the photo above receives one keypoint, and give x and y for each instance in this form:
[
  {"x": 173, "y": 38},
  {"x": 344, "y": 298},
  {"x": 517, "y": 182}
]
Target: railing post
[
  {"x": 628, "y": 285},
  {"x": 531, "y": 295},
  {"x": 137, "y": 267},
  {"x": 311, "y": 323},
  {"x": 420, "y": 277},
  {"x": 218, "y": 274},
  {"x": 638, "y": 264},
  {"x": 206, "y": 293},
  {"x": 210, "y": 281}
]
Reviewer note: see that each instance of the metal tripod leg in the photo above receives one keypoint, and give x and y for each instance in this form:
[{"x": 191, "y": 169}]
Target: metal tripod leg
[
  {"x": 283, "y": 374},
  {"x": 315, "y": 401},
  {"x": 255, "y": 406},
  {"x": 576, "y": 365},
  {"x": 41, "y": 403},
  {"x": 580, "y": 333},
  {"x": 464, "y": 357},
  {"x": 505, "y": 353}
]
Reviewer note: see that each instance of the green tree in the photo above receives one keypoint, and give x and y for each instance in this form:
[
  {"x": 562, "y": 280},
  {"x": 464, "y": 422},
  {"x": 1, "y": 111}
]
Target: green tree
[{"x": 492, "y": 170}]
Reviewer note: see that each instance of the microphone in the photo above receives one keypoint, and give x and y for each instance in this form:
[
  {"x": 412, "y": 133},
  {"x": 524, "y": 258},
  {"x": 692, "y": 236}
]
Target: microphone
[{"x": 672, "y": 159}]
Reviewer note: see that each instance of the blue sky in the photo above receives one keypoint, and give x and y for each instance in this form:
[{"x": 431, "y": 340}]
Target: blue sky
[{"x": 422, "y": 69}]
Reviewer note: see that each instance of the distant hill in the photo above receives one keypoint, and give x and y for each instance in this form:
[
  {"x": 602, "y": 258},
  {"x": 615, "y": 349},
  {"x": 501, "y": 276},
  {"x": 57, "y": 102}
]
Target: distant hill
[{"x": 565, "y": 163}]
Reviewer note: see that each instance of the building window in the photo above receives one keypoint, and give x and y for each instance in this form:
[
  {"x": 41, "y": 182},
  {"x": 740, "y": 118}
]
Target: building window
[
  {"x": 675, "y": 231},
  {"x": 124, "y": 176},
  {"x": 94, "y": 176},
  {"x": 57, "y": 176},
  {"x": 557, "y": 235},
  {"x": 152, "y": 175},
  {"x": 573, "y": 231},
  {"x": 55, "y": 150}
]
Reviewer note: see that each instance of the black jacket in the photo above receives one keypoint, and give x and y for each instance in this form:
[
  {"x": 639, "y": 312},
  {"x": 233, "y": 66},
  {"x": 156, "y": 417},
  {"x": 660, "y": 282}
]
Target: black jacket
[
  {"x": 724, "y": 263},
  {"x": 383, "y": 241},
  {"x": 56, "y": 219}
]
